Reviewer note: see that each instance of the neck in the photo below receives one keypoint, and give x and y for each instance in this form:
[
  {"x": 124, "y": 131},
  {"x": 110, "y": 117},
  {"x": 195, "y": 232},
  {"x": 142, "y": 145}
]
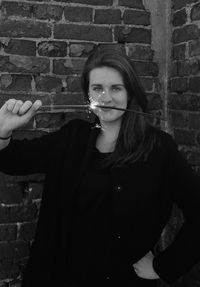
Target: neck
[{"x": 110, "y": 130}]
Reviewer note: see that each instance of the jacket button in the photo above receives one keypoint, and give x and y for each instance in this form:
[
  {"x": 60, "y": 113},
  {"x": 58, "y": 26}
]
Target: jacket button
[{"x": 118, "y": 188}]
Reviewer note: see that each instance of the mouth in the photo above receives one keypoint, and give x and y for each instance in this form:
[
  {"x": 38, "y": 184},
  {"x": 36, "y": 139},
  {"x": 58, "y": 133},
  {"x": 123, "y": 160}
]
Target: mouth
[{"x": 105, "y": 108}]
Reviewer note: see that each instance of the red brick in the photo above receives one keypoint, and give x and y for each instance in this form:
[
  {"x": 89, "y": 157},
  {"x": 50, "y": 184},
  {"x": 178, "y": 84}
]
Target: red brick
[
  {"x": 179, "y": 18},
  {"x": 132, "y": 35},
  {"x": 139, "y": 52},
  {"x": 15, "y": 283},
  {"x": 21, "y": 47},
  {"x": 136, "y": 17},
  {"x": 56, "y": 120},
  {"x": 78, "y": 14},
  {"x": 177, "y": 4},
  {"x": 25, "y": 28},
  {"x": 24, "y": 64},
  {"x": 27, "y": 231},
  {"x": 154, "y": 101},
  {"x": 146, "y": 68},
  {"x": 186, "y": 68},
  {"x": 11, "y": 192},
  {"x": 35, "y": 190},
  {"x": 8, "y": 232},
  {"x": 194, "y": 48},
  {"x": 194, "y": 84},
  {"x": 174, "y": 69},
  {"x": 194, "y": 121},
  {"x": 69, "y": 98},
  {"x": 9, "y": 269},
  {"x": 193, "y": 158},
  {"x": 157, "y": 85},
  {"x": 195, "y": 12},
  {"x": 132, "y": 3},
  {"x": 80, "y": 49},
  {"x": 189, "y": 32},
  {"x": 14, "y": 249},
  {"x": 185, "y": 101},
  {"x": 114, "y": 46},
  {"x": 74, "y": 84},
  {"x": 90, "y": 2},
  {"x": 107, "y": 16},
  {"x": 185, "y": 137},
  {"x": 83, "y": 32},
  {"x": 17, "y": 8},
  {"x": 178, "y": 85},
  {"x": 18, "y": 213},
  {"x": 198, "y": 139},
  {"x": 68, "y": 66},
  {"x": 179, "y": 52},
  {"x": 45, "y": 12},
  {"x": 147, "y": 83},
  {"x": 52, "y": 49},
  {"x": 178, "y": 119},
  {"x": 15, "y": 82},
  {"x": 48, "y": 84}
]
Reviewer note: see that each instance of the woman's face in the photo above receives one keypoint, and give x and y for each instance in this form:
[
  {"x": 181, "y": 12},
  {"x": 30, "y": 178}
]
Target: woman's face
[{"x": 106, "y": 87}]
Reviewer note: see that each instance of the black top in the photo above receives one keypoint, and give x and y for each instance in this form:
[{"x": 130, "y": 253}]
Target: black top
[
  {"x": 91, "y": 227},
  {"x": 142, "y": 194}
]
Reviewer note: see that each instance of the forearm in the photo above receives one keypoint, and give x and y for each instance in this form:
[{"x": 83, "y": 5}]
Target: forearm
[
  {"x": 5, "y": 137},
  {"x": 181, "y": 255}
]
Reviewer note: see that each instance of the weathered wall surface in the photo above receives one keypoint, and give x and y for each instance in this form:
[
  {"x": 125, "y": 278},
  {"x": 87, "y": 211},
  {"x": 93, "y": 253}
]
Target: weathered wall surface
[
  {"x": 184, "y": 91},
  {"x": 184, "y": 100}
]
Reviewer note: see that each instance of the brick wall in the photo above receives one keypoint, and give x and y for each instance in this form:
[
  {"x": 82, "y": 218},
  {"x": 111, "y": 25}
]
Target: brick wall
[
  {"x": 184, "y": 97},
  {"x": 43, "y": 47},
  {"x": 184, "y": 100}
]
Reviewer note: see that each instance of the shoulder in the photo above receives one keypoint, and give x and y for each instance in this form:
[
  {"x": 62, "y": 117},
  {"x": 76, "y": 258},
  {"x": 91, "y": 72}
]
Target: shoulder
[
  {"x": 162, "y": 137},
  {"x": 163, "y": 142}
]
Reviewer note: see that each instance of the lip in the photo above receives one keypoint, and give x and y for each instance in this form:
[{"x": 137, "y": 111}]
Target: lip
[{"x": 105, "y": 109}]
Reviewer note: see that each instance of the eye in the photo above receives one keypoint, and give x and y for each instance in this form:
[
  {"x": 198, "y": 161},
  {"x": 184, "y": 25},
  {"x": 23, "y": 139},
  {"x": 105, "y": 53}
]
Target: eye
[
  {"x": 97, "y": 89},
  {"x": 116, "y": 89}
]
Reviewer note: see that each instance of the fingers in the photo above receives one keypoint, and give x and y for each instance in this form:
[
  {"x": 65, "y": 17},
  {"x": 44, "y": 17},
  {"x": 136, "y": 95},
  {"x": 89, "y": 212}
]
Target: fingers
[
  {"x": 21, "y": 108},
  {"x": 17, "y": 107},
  {"x": 10, "y": 104},
  {"x": 25, "y": 107},
  {"x": 35, "y": 106}
]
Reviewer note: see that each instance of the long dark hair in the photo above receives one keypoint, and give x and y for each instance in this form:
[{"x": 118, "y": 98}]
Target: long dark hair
[{"x": 135, "y": 140}]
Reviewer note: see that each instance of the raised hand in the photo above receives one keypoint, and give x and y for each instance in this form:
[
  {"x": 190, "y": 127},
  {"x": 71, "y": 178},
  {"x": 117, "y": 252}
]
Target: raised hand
[{"x": 15, "y": 114}]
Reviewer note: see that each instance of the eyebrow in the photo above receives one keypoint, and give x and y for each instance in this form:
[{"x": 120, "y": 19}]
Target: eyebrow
[{"x": 113, "y": 85}]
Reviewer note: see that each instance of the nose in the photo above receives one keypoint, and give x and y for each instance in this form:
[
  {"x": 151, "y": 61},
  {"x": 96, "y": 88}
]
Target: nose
[{"x": 105, "y": 96}]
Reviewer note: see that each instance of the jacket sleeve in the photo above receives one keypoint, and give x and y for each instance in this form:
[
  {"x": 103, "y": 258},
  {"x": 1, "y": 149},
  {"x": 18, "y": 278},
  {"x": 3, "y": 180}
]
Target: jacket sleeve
[
  {"x": 25, "y": 156},
  {"x": 183, "y": 184}
]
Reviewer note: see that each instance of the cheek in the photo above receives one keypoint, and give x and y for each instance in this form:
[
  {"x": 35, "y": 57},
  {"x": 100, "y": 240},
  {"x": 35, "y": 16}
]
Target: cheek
[
  {"x": 94, "y": 97},
  {"x": 123, "y": 100}
]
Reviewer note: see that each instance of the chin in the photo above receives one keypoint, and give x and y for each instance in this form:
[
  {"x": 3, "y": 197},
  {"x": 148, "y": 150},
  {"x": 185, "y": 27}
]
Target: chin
[{"x": 110, "y": 119}]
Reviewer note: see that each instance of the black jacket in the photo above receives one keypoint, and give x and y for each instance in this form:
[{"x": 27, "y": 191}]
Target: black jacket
[{"x": 143, "y": 194}]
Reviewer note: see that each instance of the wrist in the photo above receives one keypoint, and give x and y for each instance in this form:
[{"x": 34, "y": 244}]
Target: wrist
[{"x": 5, "y": 135}]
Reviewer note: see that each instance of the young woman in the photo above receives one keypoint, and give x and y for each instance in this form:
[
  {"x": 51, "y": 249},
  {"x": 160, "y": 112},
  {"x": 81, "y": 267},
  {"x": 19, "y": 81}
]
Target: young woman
[{"x": 108, "y": 191}]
